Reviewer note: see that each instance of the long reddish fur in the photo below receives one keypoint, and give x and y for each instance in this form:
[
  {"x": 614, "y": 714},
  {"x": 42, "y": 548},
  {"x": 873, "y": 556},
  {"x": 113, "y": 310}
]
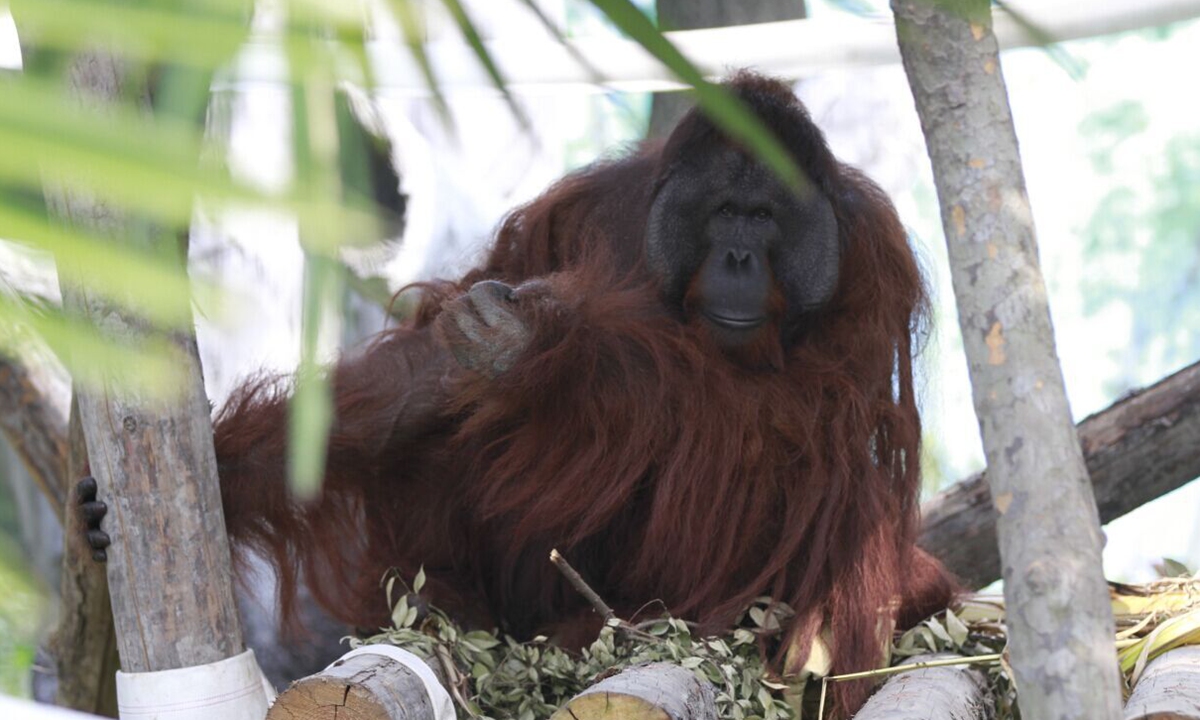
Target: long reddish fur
[{"x": 661, "y": 467}]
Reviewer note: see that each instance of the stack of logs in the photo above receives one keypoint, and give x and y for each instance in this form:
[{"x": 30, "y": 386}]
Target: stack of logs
[{"x": 375, "y": 687}]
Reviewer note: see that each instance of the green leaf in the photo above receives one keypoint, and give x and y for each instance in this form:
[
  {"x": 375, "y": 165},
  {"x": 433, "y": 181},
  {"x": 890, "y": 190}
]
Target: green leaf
[
  {"x": 145, "y": 284},
  {"x": 957, "y": 629},
  {"x": 419, "y": 580},
  {"x": 93, "y": 358},
  {"x": 758, "y": 616},
  {"x": 938, "y": 630},
  {"x": 410, "y": 26},
  {"x": 205, "y": 35},
  {"x": 467, "y": 26},
  {"x": 400, "y": 612},
  {"x": 311, "y": 408},
  {"x": 597, "y": 75}
]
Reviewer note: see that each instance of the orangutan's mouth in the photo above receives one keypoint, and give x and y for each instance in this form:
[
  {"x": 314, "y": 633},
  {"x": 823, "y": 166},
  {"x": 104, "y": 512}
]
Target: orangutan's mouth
[{"x": 734, "y": 323}]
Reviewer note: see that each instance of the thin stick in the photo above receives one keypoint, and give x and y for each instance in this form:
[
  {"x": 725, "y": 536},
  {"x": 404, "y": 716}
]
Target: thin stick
[
  {"x": 454, "y": 678},
  {"x": 945, "y": 662},
  {"x": 581, "y": 585}
]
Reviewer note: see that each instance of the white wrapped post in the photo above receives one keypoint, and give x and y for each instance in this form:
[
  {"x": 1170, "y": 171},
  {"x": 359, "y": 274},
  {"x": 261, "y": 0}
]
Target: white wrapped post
[{"x": 230, "y": 689}]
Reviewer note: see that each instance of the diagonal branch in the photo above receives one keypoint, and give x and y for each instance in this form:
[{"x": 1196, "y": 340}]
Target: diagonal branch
[{"x": 1140, "y": 448}]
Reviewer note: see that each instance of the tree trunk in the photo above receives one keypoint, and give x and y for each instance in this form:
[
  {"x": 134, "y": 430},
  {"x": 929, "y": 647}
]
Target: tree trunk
[
  {"x": 1142, "y": 447},
  {"x": 1060, "y": 623},
  {"x": 668, "y": 107},
  {"x": 169, "y": 568}
]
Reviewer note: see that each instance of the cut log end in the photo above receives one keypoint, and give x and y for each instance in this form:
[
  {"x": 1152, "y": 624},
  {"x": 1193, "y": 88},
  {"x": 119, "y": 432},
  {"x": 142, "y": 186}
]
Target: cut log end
[
  {"x": 610, "y": 705},
  {"x": 657, "y": 691},
  {"x": 364, "y": 687}
]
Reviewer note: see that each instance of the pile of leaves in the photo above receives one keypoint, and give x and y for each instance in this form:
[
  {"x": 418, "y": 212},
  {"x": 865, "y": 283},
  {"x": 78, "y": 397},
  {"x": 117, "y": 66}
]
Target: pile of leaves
[{"x": 490, "y": 675}]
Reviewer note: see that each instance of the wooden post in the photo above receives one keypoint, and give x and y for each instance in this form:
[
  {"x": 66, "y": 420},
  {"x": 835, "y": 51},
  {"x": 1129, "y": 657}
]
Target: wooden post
[
  {"x": 169, "y": 568},
  {"x": 657, "y": 691},
  {"x": 957, "y": 692},
  {"x": 1169, "y": 688}
]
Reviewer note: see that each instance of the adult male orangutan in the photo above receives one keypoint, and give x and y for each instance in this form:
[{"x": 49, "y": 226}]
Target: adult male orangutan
[{"x": 692, "y": 380}]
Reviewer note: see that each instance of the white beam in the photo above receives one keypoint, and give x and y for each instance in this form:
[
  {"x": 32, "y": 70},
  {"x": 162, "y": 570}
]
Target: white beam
[{"x": 795, "y": 48}]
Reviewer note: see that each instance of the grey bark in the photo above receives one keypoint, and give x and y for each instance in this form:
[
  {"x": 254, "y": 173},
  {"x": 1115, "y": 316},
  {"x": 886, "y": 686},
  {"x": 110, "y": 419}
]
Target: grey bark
[
  {"x": 169, "y": 567},
  {"x": 1060, "y": 621},
  {"x": 33, "y": 418},
  {"x": 956, "y": 692},
  {"x": 364, "y": 687},
  {"x": 652, "y": 690},
  {"x": 38, "y": 527},
  {"x": 668, "y": 107},
  {"x": 1169, "y": 689},
  {"x": 1140, "y": 448}
]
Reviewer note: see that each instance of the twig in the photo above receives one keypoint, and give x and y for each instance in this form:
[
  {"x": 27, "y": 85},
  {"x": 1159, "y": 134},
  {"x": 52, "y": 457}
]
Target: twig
[
  {"x": 610, "y": 618},
  {"x": 947, "y": 662},
  {"x": 577, "y": 582},
  {"x": 454, "y": 679},
  {"x": 895, "y": 669}
]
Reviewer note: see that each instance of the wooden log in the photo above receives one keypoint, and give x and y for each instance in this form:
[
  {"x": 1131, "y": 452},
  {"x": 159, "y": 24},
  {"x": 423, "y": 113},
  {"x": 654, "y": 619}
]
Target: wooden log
[
  {"x": 956, "y": 692},
  {"x": 1169, "y": 688},
  {"x": 360, "y": 687},
  {"x": 656, "y": 691},
  {"x": 1140, "y": 448}
]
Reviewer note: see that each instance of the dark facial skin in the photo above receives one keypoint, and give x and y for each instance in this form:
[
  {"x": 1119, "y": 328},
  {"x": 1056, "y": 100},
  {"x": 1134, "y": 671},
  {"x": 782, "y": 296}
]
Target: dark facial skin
[{"x": 724, "y": 234}]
